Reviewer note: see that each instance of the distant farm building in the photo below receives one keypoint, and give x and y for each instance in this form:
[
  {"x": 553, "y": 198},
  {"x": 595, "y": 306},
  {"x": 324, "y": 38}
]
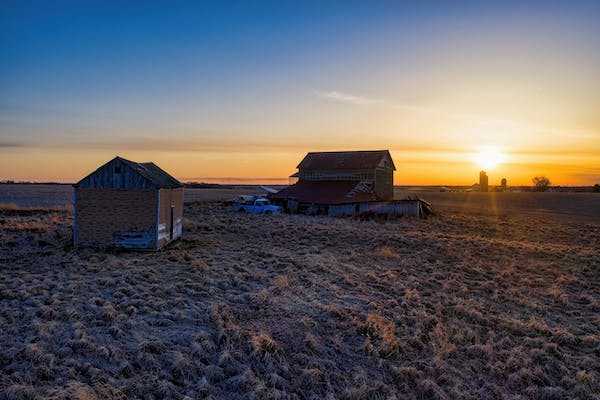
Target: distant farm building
[
  {"x": 128, "y": 205},
  {"x": 345, "y": 183},
  {"x": 483, "y": 181}
]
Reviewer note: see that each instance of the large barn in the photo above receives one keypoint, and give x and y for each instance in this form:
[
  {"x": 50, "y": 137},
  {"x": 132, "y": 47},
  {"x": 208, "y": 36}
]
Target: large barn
[
  {"x": 129, "y": 205},
  {"x": 338, "y": 177},
  {"x": 346, "y": 183}
]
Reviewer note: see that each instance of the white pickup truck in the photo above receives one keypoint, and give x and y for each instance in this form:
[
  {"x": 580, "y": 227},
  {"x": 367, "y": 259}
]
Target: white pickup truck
[{"x": 259, "y": 206}]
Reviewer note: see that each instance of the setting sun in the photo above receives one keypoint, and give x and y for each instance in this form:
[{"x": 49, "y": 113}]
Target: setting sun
[{"x": 489, "y": 157}]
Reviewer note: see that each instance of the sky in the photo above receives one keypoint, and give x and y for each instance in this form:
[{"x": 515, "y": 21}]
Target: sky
[{"x": 236, "y": 91}]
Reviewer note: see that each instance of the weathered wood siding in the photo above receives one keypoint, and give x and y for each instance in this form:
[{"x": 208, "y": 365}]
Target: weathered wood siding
[
  {"x": 116, "y": 175},
  {"x": 170, "y": 198},
  {"x": 382, "y": 178},
  {"x": 404, "y": 207},
  {"x": 384, "y": 183},
  {"x": 337, "y": 174},
  {"x": 342, "y": 210},
  {"x": 396, "y": 208},
  {"x": 115, "y": 218}
]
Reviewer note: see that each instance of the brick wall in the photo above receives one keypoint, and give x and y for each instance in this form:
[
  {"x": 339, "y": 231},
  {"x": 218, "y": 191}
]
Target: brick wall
[{"x": 101, "y": 213}]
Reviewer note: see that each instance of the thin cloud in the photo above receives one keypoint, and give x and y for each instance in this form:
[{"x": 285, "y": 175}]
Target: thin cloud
[
  {"x": 9, "y": 145},
  {"x": 345, "y": 97},
  {"x": 335, "y": 95},
  {"x": 238, "y": 144},
  {"x": 574, "y": 134}
]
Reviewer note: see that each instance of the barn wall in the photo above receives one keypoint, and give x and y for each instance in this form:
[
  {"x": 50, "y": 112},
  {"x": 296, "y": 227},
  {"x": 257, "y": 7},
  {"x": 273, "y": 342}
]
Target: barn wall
[
  {"x": 396, "y": 208},
  {"x": 393, "y": 208},
  {"x": 342, "y": 209},
  {"x": 384, "y": 184},
  {"x": 168, "y": 198},
  {"x": 112, "y": 217},
  {"x": 336, "y": 174}
]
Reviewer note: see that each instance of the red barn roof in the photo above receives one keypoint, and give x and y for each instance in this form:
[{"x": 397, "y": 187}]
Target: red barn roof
[
  {"x": 325, "y": 192},
  {"x": 345, "y": 160}
]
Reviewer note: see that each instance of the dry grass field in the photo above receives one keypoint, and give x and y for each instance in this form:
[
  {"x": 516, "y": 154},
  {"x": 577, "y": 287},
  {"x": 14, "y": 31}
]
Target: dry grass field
[
  {"x": 581, "y": 207},
  {"x": 38, "y": 195},
  {"x": 458, "y": 306}
]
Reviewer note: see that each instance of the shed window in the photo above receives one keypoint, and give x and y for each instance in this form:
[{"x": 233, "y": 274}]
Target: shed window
[{"x": 117, "y": 170}]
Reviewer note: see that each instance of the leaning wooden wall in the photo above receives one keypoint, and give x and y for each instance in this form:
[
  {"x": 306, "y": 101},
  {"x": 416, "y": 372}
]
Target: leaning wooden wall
[{"x": 396, "y": 208}]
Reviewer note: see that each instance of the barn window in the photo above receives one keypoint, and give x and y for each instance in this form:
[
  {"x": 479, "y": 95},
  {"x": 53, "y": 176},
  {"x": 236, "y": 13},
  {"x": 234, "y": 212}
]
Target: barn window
[{"x": 117, "y": 170}]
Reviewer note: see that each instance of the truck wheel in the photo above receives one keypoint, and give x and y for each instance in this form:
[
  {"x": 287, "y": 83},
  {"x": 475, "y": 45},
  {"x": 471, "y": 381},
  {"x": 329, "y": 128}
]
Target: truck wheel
[
  {"x": 268, "y": 212},
  {"x": 242, "y": 210}
]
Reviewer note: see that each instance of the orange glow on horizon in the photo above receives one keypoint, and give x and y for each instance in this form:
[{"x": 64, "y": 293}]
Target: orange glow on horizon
[{"x": 414, "y": 167}]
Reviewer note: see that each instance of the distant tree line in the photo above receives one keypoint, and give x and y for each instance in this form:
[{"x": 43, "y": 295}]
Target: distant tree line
[
  {"x": 11, "y": 182},
  {"x": 541, "y": 183}
]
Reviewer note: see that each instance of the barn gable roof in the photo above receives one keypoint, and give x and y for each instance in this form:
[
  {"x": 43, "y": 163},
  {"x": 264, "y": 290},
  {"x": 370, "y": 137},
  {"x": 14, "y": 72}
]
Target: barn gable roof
[
  {"x": 370, "y": 159},
  {"x": 152, "y": 176},
  {"x": 326, "y": 192}
]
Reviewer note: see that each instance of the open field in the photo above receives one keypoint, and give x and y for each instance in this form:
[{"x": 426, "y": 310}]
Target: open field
[
  {"x": 36, "y": 195},
  {"x": 58, "y": 195},
  {"x": 567, "y": 206},
  {"x": 459, "y": 306}
]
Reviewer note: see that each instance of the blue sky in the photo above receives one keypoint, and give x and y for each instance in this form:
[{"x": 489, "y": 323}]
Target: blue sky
[{"x": 190, "y": 83}]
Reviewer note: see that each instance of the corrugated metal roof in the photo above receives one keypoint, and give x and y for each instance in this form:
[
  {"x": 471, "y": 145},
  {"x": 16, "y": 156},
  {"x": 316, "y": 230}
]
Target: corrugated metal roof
[
  {"x": 325, "y": 192},
  {"x": 369, "y": 159}
]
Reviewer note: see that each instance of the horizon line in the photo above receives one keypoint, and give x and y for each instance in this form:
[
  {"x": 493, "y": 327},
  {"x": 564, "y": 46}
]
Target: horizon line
[{"x": 260, "y": 182}]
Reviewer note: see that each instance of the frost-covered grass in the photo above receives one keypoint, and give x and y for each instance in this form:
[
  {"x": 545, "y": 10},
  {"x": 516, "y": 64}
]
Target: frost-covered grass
[{"x": 299, "y": 307}]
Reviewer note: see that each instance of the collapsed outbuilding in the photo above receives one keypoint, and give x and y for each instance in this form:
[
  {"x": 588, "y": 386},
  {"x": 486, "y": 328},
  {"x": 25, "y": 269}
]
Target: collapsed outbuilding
[
  {"x": 129, "y": 205},
  {"x": 346, "y": 183}
]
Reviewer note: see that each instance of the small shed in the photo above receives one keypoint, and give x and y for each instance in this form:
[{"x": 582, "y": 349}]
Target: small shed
[{"x": 129, "y": 205}]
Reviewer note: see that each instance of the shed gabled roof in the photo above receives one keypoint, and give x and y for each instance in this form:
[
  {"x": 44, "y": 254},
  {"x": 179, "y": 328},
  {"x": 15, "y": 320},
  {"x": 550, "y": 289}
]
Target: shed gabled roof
[
  {"x": 151, "y": 173},
  {"x": 159, "y": 178},
  {"x": 369, "y": 159}
]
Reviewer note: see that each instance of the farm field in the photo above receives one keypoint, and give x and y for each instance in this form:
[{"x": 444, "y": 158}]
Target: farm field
[
  {"x": 36, "y": 195},
  {"x": 60, "y": 195},
  {"x": 567, "y": 206},
  {"x": 463, "y": 305}
]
